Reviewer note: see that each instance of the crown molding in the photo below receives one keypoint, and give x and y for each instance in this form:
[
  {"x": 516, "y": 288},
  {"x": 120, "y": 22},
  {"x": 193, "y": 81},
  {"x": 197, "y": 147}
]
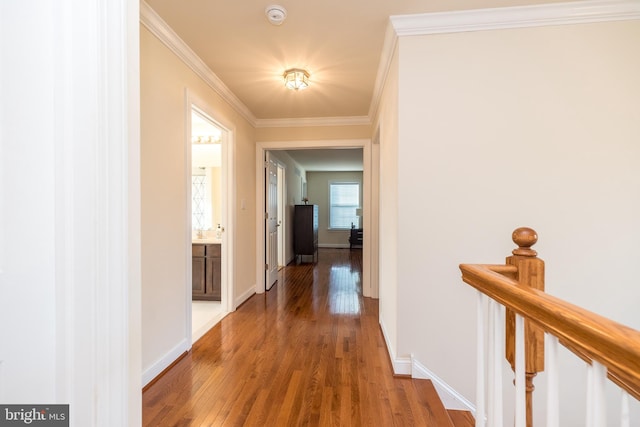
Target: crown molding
[
  {"x": 388, "y": 49},
  {"x": 579, "y": 12},
  {"x": 158, "y": 27},
  {"x": 313, "y": 121},
  {"x": 589, "y": 11}
]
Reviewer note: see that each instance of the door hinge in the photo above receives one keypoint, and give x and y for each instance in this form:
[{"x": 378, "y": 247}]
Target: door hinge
[
  {"x": 266, "y": 215},
  {"x": 266, "y": 267}
]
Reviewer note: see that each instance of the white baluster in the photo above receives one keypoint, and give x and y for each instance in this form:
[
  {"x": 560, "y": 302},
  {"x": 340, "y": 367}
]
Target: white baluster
[
  {"x": 553, "y": 396},
  {"x": 491, "y": 384},
  {"x": 596, "y": 407},
  {"x": 625, "y": 418},
  {"x": 589, "y": 421},
  {"x": 521, "y": 385},
  {"x": 480, "y": 364},
  {"x": 498, "y": 353}
]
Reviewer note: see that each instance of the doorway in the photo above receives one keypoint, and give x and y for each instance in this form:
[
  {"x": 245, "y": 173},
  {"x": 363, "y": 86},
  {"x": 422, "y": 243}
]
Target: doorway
[
  {"x": 207, "y": 258},
  {"x": 261, "y": 183}
]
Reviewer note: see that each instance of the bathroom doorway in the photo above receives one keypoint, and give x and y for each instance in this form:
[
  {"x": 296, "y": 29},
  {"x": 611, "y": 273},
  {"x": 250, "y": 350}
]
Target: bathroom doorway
[{"x": 207, "y": 206}]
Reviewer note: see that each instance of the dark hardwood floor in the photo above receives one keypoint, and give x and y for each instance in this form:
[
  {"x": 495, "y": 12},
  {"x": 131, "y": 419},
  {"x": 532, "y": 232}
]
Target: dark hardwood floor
[{"x": 307, "y": 353}]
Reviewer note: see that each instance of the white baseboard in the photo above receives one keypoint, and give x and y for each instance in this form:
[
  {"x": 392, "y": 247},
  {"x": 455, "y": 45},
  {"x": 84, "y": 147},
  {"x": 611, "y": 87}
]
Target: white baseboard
[
  {"x": 244, "y": 296},
  {"x": 154, "y": 370},
  {"x": 401, "y": 365},
  {"x": 450, "y": 398},
  {"x": 334, "y": 245}
]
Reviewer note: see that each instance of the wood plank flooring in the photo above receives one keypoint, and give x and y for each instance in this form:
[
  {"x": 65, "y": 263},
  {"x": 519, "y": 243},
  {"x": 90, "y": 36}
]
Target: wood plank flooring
[{"x": 307, "y": 353}]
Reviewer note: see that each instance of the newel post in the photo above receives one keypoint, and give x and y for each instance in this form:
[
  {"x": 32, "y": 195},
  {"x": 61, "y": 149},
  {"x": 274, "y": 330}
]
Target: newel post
[{"x": 530, "y": 273}]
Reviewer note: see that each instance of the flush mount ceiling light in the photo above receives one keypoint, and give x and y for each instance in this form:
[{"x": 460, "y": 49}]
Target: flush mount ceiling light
[{"x": 296, "y": 79}]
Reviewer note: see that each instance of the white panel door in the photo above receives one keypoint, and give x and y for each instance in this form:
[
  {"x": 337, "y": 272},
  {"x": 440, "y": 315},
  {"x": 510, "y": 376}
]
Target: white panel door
[{"x": 271, "y": 225}]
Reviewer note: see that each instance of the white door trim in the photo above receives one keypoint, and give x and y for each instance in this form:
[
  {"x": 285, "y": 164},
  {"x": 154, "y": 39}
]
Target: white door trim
[
  {"x": 96, "y": 84},
  {"x": 228, "y": 203},
  {"x": 261, "y": 148},
  {"x": 282, "y": 217}
]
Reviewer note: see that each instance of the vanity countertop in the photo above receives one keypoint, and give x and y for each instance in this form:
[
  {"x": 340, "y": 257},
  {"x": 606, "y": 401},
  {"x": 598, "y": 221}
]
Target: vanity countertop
[{"x": 206, "y": 241}]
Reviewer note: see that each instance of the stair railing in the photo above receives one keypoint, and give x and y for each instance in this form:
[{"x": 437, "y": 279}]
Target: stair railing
[{"x": 520, "y": 317}]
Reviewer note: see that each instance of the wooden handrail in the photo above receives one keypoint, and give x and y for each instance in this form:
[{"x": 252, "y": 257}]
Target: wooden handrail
[{"x": 588, "y": 335}]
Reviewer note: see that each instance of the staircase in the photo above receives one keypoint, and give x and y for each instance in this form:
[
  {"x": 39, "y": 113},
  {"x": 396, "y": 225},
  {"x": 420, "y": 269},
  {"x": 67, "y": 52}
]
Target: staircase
[{"x": 434, "y": 414}]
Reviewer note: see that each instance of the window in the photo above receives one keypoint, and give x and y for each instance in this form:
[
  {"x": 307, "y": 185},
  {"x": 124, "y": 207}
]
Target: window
[
  {"x": 344, "y": 201},
  {"x": 201, "y": 200},
  {"x": 197, "y": 202}
]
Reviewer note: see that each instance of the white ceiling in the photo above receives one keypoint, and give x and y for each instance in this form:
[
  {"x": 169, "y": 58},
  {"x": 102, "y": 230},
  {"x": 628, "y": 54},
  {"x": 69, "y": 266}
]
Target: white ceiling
[{"x": 339, "y": 42}]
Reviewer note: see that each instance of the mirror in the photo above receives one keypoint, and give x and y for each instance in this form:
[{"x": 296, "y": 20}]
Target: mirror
[{"x": 206, "y": 203}]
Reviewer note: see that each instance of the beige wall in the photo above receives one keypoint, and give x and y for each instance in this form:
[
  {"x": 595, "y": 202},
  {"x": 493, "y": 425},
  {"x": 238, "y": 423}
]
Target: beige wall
[
  {"x": 318, "y": 194},
  {"x": 312, "y": 133},
  {"x": 164, "y": 79},
  {"x": 500, "y": 129}
]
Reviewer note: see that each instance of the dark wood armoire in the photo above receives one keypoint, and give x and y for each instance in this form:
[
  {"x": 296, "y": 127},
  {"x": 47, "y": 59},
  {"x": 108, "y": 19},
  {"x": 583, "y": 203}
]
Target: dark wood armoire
[{"x": 305, "y": 231}]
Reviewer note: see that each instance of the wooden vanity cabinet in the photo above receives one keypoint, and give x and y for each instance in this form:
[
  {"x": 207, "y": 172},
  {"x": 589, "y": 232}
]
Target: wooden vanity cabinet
[{"x": 206, "y": 276}]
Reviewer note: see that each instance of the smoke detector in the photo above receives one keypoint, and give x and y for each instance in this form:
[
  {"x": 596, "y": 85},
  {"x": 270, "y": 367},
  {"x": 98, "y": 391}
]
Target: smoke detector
[{"x": 276, "y": 14}]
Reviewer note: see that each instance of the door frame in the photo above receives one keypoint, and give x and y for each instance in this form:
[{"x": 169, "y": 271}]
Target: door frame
[
  {"x": 262, "y": 147},
  {"x": 228, "y": 210}
]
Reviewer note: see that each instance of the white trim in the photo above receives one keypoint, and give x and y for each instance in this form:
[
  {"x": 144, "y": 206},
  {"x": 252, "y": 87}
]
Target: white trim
[
  {"x": 97, "y": 230},
  {"x": 580, "y": 12},
  {"x": 260, "y": 220},
  {"x": 451, "y": 399},
  {"x": 158, "y": 27},
  {"x": 334, "y": 245},
  {"x": 111, "y": 246},
  {"x": 401, "y": 365},
  {"x": 134, "y": 261},
  {"x": 161, "y": 364},
  {"x": 192, "y": 101},
  {"x": 244, "y": 296},
  {"x": 367, "y": 252},
  {"x": 188, "y": 232},
  {"x": 314, "y": 121},
  {"x": 261, "y": 148},
  {"x": 388, "y": 49}
]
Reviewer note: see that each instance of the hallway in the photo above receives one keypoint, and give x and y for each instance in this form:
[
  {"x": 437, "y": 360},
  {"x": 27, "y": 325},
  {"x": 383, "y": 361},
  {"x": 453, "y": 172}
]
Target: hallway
[{"x": 308, "y": 352}]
